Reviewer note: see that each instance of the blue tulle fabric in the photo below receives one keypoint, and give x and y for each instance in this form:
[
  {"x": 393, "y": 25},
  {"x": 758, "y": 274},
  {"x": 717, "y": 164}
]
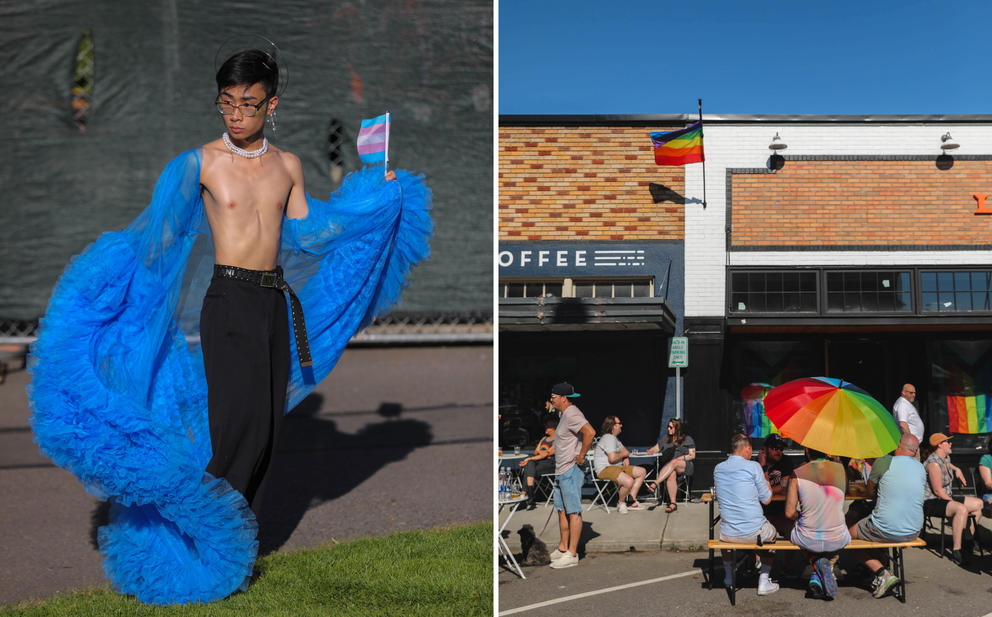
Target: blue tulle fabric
[{"x": 118, "y": 394}]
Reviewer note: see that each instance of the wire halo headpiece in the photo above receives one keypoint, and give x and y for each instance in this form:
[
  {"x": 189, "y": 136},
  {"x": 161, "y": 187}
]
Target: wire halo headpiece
[{"x": 243, "y": 42}]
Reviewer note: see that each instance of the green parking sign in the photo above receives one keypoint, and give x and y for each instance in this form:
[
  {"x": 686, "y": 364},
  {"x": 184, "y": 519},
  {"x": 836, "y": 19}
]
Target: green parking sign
[{"x": 678, "y": 353}]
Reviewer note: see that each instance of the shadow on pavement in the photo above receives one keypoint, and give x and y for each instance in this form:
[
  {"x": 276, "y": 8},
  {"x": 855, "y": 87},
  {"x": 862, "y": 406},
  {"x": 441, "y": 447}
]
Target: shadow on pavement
[{"x": 316, "y": 463}]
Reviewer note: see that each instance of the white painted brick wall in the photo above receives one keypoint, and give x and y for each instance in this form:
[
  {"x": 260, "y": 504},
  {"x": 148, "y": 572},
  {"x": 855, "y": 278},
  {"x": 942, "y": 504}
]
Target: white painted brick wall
[{"x": 746, "y": 145}]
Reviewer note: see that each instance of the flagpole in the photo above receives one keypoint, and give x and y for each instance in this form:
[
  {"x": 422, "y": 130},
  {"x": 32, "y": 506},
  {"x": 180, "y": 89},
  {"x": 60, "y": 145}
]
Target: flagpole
[
  {"x": 388, "y": 124},
  {"x": 704, "y": 150}
]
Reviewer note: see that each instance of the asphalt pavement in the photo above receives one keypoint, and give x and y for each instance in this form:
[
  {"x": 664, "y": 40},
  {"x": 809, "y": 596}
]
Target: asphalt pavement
[
  {"x": 395, "y": 439},
  {"x": 657, "y": 560}
]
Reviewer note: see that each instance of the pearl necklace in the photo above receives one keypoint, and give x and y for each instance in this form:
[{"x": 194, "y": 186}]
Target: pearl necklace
[{"x": 248, "y": 154}]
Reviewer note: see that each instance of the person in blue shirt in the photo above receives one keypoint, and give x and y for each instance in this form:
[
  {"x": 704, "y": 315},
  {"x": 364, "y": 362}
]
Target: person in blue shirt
[
  {"x": 741, "y": 488},
  {"x": 898, "y": 513}
]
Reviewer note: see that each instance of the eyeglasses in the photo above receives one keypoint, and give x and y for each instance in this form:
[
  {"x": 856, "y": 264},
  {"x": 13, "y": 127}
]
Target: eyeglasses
[
  {"x": 248, "y": 110},
  {"x": 779, "y": 448}
]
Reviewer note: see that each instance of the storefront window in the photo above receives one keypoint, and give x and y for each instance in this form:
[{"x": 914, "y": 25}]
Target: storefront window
[
  {"x": 861, "y": 291},
  {"x": 787, "y": 291},
  {"x": 577, "y": 288},
  {"x": 956, "y": 291},
  {"x": 961, "y": 390}
]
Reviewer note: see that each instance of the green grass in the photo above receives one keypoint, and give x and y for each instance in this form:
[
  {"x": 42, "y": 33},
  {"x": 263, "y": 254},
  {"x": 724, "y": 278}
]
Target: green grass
[{"x": 440, "y": 572}]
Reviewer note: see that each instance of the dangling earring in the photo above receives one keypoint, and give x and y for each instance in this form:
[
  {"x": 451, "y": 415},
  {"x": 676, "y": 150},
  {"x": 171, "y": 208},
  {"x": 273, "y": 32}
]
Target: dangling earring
[{"x": 272, "y": 121}]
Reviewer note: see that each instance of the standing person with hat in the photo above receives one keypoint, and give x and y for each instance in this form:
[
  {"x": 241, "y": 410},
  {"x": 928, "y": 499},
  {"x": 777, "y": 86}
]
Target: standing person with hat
[
  {"x": 573, "y": 437},
  {"x": 938, "y": 498}
]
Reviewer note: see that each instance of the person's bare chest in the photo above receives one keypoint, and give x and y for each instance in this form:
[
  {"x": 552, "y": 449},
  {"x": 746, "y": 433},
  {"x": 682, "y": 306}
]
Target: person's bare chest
[{"x": 235, "y": 189}]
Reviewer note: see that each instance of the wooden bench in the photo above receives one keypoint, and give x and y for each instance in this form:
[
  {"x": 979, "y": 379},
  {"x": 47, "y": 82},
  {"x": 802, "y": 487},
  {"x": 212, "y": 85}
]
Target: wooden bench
[{"x": 894, "y": 549}]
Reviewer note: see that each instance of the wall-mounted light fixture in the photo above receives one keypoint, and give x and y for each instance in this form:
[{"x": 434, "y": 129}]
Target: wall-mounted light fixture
[
  {"x": 776, "y": 161},
  {"x": 947, "y": 142}
]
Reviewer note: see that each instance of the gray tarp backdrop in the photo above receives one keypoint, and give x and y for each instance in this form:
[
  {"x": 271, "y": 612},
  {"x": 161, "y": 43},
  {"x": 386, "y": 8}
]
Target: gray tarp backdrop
[{"x": 428, "y": 63}]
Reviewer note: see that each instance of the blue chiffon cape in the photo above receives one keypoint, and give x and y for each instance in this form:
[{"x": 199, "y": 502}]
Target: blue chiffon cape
[{"x": 118, "y": 394}]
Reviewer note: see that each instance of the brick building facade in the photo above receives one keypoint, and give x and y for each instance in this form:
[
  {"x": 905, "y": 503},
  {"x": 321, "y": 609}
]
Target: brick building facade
[{"x": 862, "y": 252}]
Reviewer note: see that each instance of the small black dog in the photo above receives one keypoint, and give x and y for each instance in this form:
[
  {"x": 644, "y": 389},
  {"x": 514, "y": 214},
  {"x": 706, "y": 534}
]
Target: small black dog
[{"x": 533, "y": 551}]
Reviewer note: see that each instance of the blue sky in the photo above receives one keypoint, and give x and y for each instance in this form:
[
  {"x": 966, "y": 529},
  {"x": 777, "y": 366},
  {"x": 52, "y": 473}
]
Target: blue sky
[{"x": 840, "y": 57}]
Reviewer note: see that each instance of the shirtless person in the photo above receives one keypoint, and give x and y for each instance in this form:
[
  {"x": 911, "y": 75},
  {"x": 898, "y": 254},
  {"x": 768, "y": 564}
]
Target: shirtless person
[
  {"x": 180, "y": 442},
  {"x": 247, "y": 187}
]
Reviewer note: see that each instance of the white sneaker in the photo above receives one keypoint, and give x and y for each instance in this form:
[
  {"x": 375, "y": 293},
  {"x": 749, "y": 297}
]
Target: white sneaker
[
  {"x": 766, "y": 587},
  {"x": 636, "y": 507},
  {"x": 567, "y": 560},
  {"x": 622, "y": 508},
  {"x": 555, "y": 554}
]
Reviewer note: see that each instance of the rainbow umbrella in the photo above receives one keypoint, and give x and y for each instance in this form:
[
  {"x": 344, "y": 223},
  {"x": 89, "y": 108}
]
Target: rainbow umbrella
[{"x": 833, "y": 416}]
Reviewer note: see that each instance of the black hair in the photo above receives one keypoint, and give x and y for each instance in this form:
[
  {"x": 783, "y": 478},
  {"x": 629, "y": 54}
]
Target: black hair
[
  {"x": 550, "y": 422},
  {"x": 249, "y": 67}
]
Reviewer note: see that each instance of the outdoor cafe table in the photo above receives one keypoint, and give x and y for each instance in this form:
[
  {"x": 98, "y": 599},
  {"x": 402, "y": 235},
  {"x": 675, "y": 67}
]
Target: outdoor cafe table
[
  {"x": 512, "y": 462},
  {"x": 652, "y": 459},
  {"x": 512, "y": 503}
]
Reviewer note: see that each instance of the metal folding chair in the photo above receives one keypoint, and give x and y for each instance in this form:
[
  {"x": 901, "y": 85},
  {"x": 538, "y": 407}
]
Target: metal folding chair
[
  {"x": 605, "y": 489},
  {"x": 545, "y": 485}
]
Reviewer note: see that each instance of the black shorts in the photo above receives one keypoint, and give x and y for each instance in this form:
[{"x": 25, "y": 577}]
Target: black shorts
[{"x": 938, "y": 506}]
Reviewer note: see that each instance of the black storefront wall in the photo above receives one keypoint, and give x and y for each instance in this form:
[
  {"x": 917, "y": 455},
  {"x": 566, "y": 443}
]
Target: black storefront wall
[
  {"x": 617, "y": 373},
  {"x": 723, "y": 361}
]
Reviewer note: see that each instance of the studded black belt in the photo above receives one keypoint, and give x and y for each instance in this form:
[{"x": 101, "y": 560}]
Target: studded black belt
[{"x": 273, "y": 278}]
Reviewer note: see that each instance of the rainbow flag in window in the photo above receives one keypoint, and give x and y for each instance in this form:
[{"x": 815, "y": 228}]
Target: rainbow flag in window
[
  {"x": 756, "y": 423},
  {"x": 679, "y": 147},
  {"x": 969, "y": 414}
]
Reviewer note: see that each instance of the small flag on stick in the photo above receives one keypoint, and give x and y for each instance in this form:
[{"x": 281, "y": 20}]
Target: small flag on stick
[
  {"x": 373, "y": 140},
  {"x": 679, "y": 147}
]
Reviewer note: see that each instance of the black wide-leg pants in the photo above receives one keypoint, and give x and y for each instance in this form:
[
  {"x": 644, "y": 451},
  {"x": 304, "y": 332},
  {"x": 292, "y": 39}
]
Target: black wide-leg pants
[{"x": 244, "y": 334}]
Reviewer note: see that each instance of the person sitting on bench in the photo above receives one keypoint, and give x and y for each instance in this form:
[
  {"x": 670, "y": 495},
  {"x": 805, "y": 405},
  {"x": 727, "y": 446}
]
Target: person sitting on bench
[
  {"x": 898, "y": 513},
  {"x": 741, "y": 488},
  {"x": 820, "y": 531}
]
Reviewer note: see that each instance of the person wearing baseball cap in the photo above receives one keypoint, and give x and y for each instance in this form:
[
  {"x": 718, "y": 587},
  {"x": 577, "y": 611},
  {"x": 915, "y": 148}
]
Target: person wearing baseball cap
[
  {"x": 564, "y": 389},
  {"x": 573, "y": 437},
  {"x": 938, "y": 500},
  {"x": 778, "y": 469}
]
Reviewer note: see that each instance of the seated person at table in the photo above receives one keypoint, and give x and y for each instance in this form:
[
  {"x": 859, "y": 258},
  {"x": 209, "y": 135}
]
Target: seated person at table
[
  {"x": 741, "y": 488},
  {"x": 898, "y": 513},
  {"x": 682, "y": 450},
  {"x": 819, "y": 487},
  {"x": 610, "y": 461},
  {"x": 938, "y": 498},
  {"x": 777, "y": 469},
  {"x": 985, "y": 473},
  {"x": 542, "y": 461}
]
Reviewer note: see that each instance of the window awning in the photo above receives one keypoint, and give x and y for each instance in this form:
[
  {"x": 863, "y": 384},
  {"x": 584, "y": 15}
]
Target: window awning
[{"x": 598, "y": 314}]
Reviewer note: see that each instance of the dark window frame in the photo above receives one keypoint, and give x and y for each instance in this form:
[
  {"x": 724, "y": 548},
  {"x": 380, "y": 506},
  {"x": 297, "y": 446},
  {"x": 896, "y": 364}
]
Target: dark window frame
[{"x": 916, "y": 292}]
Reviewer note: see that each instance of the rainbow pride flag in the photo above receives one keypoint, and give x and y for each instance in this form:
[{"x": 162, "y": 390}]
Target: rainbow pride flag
[
  {"x": 679, "y": 147},
  {"x": 969, "y": 414},
  {"x": 758, "y": 424}
]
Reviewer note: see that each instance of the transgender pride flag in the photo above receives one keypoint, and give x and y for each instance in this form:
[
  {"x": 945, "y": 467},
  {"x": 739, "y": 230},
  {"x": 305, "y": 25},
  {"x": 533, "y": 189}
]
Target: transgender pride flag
[{"x": 373, "y": 139}]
